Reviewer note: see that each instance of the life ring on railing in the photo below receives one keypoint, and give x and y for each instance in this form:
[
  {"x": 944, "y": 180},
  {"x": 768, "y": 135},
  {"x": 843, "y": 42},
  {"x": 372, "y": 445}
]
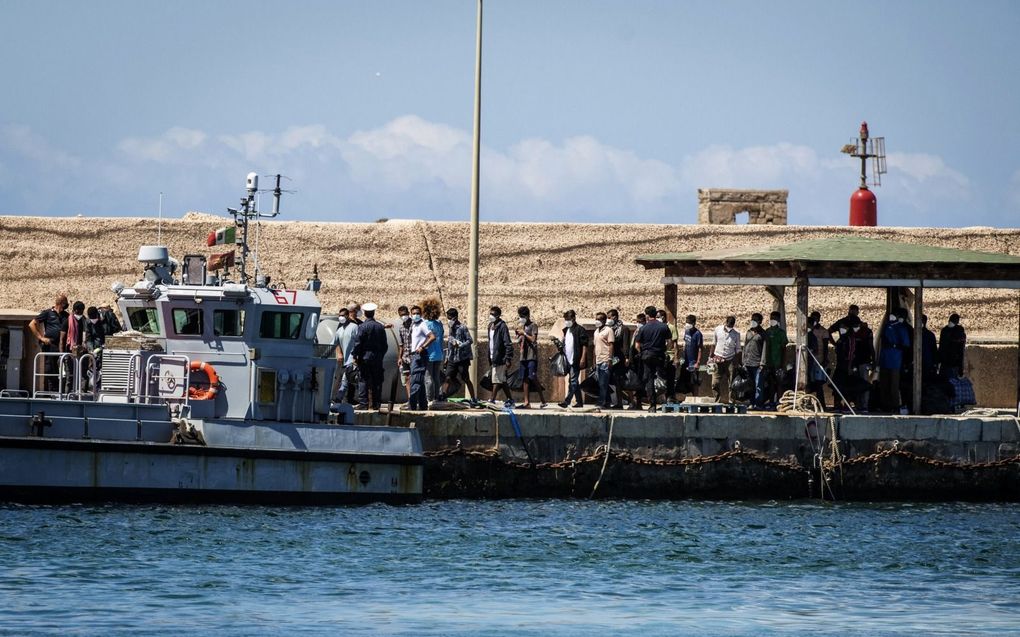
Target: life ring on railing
[{"x": 208, "y": 393}]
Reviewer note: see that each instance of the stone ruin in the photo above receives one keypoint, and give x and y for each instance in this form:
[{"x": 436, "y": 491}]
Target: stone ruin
[{"x": 721, "y": 206}]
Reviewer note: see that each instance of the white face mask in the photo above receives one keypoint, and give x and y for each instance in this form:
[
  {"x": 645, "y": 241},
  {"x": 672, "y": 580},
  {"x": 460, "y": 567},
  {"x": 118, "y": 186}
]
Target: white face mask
[
  {"x": 568, "y": 324},
  {"x": 688, "y": 326},
  {"x": 600, "y": 324},
  {"x": 773, "y": 322},
  {"x": 892, "y": 318},
  {"x": 522, "y": 321},
  {"x": 610, "y": 322},
  {"x": 78, "y": 316},
  {"x": 416, "y": 318},
  {"x": 950, "y": 324},
  {"x": 754, "y": 323},
  {"x": 359, "y": 314},
  {"x": 857, "y": 329},
  {"x": 728, "y": 328},
  {"x": 405, "y": 319},
  {"x": 343, "y": 320},
  {"x": 842, "y": 331},
  {"x": 492, "y": 318},
  {"x": 93, "y": 321}
]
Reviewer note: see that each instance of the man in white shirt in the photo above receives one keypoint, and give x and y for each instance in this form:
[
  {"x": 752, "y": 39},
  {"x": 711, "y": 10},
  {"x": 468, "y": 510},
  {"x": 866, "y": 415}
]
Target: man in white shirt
[
  {"x": 421, "y": 338},
  {"x": 725, "y": 355},
  {"x": 344, "y": 342}
]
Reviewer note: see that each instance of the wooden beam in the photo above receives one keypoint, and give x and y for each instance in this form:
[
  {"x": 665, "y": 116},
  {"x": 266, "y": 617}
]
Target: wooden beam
[
  {"x": 918, "y": 354},
  {"x": 778, "y": 293},
  {"x": 670, "y": 301},
  {"x": 802, "y": 313}
]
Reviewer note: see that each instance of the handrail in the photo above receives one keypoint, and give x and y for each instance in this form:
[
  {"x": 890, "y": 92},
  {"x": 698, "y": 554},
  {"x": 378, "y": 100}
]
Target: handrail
[
  {"x": 184, "y": 379},
  {"x": 59, "y": 374},
  {"x": 79, "y": 392}
]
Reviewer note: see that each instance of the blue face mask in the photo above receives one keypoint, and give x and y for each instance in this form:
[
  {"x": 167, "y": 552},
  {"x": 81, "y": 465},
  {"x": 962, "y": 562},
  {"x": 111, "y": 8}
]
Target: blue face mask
[{"x": 416, "y": 318}]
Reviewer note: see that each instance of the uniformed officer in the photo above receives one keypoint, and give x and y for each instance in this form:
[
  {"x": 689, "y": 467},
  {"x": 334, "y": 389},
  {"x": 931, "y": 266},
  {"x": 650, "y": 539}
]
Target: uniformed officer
[{"x": 368, "y": 354}]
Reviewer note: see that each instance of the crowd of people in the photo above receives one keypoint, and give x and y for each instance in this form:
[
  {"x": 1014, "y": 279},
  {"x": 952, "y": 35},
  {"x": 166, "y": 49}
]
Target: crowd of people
[
  {"x": 644, "y": 365},
  {"x": 80, "y": 331}
]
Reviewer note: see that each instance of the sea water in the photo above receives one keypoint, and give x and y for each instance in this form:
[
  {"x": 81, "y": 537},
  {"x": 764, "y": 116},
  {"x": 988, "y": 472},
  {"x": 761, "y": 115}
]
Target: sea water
[{"x": 522, "y": 567}]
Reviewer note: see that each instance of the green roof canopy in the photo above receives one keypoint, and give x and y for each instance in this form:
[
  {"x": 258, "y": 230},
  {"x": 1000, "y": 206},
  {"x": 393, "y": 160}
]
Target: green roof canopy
[{"x": 841, "y": 260}]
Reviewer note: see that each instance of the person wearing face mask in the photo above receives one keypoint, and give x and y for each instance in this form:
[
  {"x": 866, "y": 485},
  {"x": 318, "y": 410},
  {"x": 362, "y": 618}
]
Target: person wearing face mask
[
  {"x": 604, "y": 340},
  {"x": 343, "y": 341},
  {"x": 526, "y": 332},
  {"x": 668, "y": 371},
  {"x": 852, "y": 311},
  {"x": 458, "y": 356},
  {"x": 773, "y": 359},
  {"x": 864, "y": 361},
  {"x": 895, "y": 341},
  {"x": 95, "y": 331},
  {"x": 621, "y": 337},
  {"x": 370, "y": 350},
  {"x": 501, "y": 353},
  {"x": 354, "y": 313},
  {"x": 725, "y": 354},
  {"x": 952, "y": 343},
  {"x": 575, "y": 347},
  {"x": 754, "y": 347},
  {"x": 634, "y": 358},
  {"x": 76, "y": 329},
  {"x": 818, "y": 340},
  {"x": 421, "y": 338},
  {"x": 845, "y": 374},
  {"x": 651, "y": 343},
  {"x": 693, "y": 343},
  {"x": 404, "y": 348}
]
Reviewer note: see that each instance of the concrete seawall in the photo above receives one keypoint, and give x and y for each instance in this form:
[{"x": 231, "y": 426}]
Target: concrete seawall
[{"x": 478, "y": 454}]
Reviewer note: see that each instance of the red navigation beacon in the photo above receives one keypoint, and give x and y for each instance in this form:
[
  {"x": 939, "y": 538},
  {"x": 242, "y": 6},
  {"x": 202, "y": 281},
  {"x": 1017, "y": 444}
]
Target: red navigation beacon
[{"x": 863, "y": 203}]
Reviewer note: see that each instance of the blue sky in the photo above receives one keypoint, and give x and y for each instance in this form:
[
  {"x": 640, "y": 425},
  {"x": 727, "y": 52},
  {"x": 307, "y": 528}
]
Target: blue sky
[{"x": 592, "y": 110}]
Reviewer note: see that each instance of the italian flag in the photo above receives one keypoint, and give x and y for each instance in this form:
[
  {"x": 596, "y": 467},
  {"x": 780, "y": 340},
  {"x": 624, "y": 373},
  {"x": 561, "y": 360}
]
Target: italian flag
[{"x": 221, "y": 236}]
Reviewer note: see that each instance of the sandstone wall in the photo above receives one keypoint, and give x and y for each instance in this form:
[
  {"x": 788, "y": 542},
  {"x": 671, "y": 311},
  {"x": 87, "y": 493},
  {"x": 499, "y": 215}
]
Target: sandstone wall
[{"x": 550, "y": 267}]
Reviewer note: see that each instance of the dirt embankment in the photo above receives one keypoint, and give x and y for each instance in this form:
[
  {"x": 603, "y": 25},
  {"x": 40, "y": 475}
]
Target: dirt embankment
[{"x": 549, "y": 267}]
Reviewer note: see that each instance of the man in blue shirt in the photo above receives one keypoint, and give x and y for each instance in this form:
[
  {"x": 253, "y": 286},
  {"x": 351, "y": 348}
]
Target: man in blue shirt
[
  {"x": 694, "y": 341},
  {"x": 433, "y": 369},
  {"x": 895, "y": 341}
]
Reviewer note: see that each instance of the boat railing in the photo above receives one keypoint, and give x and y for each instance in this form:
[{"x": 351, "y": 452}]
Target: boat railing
[
  {"x": 170, "y": 386},
  {"x": 86, "y": 378},
  {"x": 64, "y": 366}
]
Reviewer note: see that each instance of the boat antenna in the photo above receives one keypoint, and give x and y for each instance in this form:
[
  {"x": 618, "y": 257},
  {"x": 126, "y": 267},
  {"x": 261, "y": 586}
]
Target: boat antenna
[{"x": 243, "y": 214}]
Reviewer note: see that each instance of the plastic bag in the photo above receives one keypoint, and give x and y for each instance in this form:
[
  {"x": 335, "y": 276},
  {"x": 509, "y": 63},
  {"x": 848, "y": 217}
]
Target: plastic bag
[{"x": 559, "y": 364}]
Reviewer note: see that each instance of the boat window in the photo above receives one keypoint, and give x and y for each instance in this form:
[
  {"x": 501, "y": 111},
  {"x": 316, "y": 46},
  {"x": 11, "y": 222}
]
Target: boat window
[
  {"x": 143, "y": 319},
  {"x": 188, "y": 321},
  {"x": 228, "y": 322},
  {"x": 280, "y": 325}
]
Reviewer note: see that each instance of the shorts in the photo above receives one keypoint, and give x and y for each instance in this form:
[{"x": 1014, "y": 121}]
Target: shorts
[
  {"x": 529, "y": 371},
  {"x": 498, "y": 374},
  {"x": 458, "y": 372}
]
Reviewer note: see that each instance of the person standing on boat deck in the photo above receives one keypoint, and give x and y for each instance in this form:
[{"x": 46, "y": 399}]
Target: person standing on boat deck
[
  {"x": 501, "y": 352},
  {"x": 344, "y": 342},
  {"x": 754, "y": 347},
  {"x": 818, "y": 340},
  {"x": 431, "y": 310},
  {"x": 725, "y": 355},
  {"x": 575, "y": 347},
  {"x": 527, "y": 343},
  {"x": 651, "y": 345},
  {"x": 421, "y": 338},
  {"x": 458, "y": 355},
  {"x": 952, "y": 343},
  {"x": 48, "y": 326},
  {"x": 368, "y": 354}
]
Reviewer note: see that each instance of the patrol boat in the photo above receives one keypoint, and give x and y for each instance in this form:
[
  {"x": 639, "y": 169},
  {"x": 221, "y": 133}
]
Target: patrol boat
[{"x": 219, "y": 391}]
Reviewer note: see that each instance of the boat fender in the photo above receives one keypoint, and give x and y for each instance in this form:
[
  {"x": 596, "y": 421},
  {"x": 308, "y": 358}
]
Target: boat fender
[{"x": 195, "y": 393}]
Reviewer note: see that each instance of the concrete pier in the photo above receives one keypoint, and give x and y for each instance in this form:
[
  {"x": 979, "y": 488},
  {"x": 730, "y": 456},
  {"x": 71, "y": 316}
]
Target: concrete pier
[{"x": 477, "y": 453}]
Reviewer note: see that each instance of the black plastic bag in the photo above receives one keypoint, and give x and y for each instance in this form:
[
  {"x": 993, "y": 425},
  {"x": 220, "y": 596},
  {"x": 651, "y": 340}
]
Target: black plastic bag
[
  {"x": 741, "y": 387},
  {"x": 559, "y": 364}
]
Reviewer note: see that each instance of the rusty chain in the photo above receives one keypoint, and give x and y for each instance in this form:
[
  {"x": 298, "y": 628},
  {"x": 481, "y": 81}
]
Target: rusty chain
[{"x": 494, "y": 455}]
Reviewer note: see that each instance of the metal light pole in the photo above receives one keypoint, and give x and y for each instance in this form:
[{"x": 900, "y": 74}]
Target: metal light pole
[{"x": 473, "y": 257}]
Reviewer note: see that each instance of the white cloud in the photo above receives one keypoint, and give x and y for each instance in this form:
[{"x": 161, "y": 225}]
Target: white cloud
[{"x": 412, "y": 167}]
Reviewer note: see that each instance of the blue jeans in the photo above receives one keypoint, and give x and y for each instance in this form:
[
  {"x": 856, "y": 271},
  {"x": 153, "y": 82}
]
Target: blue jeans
[
  {"x": 574, "y": 386},
  {"x": 417, "y": 399},
  {"x": 756, "y": 374},
  {"x": 602, "y": 372}
]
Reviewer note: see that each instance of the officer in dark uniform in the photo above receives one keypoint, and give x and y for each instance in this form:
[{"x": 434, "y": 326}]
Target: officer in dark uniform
[
  {"x": 368, "y": 354},
  {"x": 49, "y": 328}
]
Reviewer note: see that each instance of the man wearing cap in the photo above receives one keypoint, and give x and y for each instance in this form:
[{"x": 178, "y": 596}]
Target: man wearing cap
[
  {"x": 952, "y": 342},
  {"x": 369, "y": 350}
]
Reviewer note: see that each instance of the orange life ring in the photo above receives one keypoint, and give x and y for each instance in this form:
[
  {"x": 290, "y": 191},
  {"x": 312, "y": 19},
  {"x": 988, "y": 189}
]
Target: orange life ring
[{"x": 195, "y": 393}]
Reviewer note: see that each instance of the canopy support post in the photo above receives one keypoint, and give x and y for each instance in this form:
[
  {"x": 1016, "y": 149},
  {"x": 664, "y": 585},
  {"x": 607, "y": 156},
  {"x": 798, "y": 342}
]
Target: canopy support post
[{"x": 918, "y": 350}]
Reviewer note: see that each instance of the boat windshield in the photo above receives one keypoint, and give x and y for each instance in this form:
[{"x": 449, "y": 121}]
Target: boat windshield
[{"x": 143, "y": 319}]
